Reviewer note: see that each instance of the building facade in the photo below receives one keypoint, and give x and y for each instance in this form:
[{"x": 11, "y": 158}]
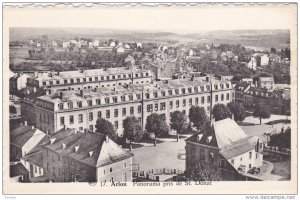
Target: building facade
[
  {"x": 225, "y": 148},
  {"x": 85, "y": 157},
  {"x": 81, "y": 109},
  {"x": 88, "y": 79},
  {"x": 266, "y": 82}
]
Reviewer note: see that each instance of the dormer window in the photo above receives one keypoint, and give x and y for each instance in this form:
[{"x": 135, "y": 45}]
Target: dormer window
[
  {"x": 207, "y": 88},
  {"x": 138, "y": 96},
  {"x": 61, "y": 106},
  {"x": 216, "y": 87},
  {"x": 163, "y": 93},
  {"x": 123, "y": 98},
  {"x": 90, "y": 103},
  {"x": 176, "y": 91},
  {"x": 183, "y": 90},
  {"x": 98, "y": 101},
  {"x": 155, "y": 94},
  {"x": 107, "y": 100},
  {"x": 208, "y": 139},
  {"x": 190, "y": 90},
  {"x": 130, "y": 97},
  {"x": 91, "y": 153},
  {"x": 115, "y": 99},
  {"x": 196, "y": 89},
  {"x": 147, "y": 96},
  {"x": 170, "y": 92},
  {"x": 79, "y": 104}
]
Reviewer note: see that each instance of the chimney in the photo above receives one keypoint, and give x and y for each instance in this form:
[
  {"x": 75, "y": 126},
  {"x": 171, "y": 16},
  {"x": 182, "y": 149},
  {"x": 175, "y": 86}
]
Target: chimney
[
  {"x": 32, "y": 127},
  {"x": 47, "y": 132},
  {"x": 60, "y": 95},
  {"x": 36, "y": 73},
  {"x": 64, "y": 145},
  {"x": 25, "y": 123},
  {"x": 81, "y": 93},
  {"x": 106, "y": 139},
  {"x": 34, "y": 89},
  {"x": 91, "y": 153}
]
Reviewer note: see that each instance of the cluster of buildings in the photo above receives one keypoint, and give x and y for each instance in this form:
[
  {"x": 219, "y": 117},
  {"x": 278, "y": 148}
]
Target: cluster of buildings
[
  {"x": 225, "y": 148},
  {"x": 276, "y": 96},
  {"x": 80, "y": 108},
  {"x": 67, "y": 155}
]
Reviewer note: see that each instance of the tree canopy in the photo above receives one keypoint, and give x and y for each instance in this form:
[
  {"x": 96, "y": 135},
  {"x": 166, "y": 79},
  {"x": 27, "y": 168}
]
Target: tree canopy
[
  {"x": 238, "y": 110},
  {"x": 157, "y": 125},
  {"x": 198, "y": 117},
  {"x": 261, "y": 111},
  {"x": 221, "y": 111},
  {"x": 105, "y": 127},
  {"x": 133, "y": 130},
  {"x": 178, "y": 122}
]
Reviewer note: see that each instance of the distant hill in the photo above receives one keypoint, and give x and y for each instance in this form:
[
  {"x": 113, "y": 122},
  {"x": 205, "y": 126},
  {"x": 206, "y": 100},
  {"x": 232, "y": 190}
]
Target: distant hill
[{"x": 252, "y": 38}]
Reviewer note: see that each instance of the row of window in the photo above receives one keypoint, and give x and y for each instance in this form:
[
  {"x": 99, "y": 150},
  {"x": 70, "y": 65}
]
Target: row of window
[
  {"x": 90, "y": 79},
  {"x": 99, "y": 115},
  {"x": 123, "y": 98}
]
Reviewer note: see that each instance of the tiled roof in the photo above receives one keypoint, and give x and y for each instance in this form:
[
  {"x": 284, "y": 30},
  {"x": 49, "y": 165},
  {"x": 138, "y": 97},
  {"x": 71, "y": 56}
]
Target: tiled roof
[
  {"x": 33, "y": 135},
  {"x": 227, "y": 136},
  {"x": 227, "y": 131},
  {"x": 91, "y": 148},
  {"x": 129, "y": 89},
  {"x": 239, "y": 147}
]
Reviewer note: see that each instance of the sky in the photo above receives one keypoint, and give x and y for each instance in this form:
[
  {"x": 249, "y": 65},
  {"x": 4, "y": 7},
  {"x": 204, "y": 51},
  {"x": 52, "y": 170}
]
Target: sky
[{"x": 180, "y": 19}]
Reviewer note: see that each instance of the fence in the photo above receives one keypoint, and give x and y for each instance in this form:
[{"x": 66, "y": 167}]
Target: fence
[{"x": 156, "y": 174}]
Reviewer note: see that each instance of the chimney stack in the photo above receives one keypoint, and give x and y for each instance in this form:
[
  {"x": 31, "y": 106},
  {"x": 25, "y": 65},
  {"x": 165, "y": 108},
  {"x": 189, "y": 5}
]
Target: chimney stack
[
  {"x": 32, "y": 127},
  {"x": 60, "y": 95},
  {"x": 106, "y": 139},
  {"x": 25, "y": 123}
]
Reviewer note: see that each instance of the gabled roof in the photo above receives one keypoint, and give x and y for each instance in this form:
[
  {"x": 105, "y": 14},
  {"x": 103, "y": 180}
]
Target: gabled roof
[
  {"x": 227, "y": 131},
  {"x": 239, "y": 147},
  {"x": 20, "y": 137},
  {"x": 91, "y": 148},
  {"x": 227, "y": 136}
]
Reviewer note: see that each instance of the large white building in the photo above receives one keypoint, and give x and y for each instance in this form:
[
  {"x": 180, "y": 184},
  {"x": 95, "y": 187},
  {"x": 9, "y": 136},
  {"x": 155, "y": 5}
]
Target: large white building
[
  {"x": 88, "y": 79},
  {"x": 252, "y": 64},
  {"x": 81, "y": 109}
]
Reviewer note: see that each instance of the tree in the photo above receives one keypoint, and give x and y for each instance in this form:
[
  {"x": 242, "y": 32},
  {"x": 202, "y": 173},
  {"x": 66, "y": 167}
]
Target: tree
[
  {"x": 198, "y": 117},
  {"x": 178, "y": 122},
  {"x": 157, "y": 125},
  {"x": 202, "y": 172},
  {"x": 221, "y": 111},
  {"x": 238, "y": 111},
  {"x": 261, "y": 111},
  {"x": 133, "y": 130},
  {"x": 105, "y": 127}
]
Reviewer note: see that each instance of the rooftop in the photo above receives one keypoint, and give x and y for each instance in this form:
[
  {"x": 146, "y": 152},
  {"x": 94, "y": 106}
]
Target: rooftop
[
  {"x": 227, "y": 136},
  {"x": 91, "y": 148}
]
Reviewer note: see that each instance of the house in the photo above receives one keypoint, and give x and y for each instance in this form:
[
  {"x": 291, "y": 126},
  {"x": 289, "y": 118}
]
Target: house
[
  {"x": 33, "y": 162},
  {"x": 23, "y": 139},
  {"x": 248, "y": 80},
  {"x": 225, "y": 148},
  {"x": 236, "y": 58},
  {"x": 252, "y": 64},
  {"x": 224, "y": 56},
  {"x": 266, "y": 82},
  {"x": 18, "y": 173},
  {"x": 96, "y": 43},
  {"x": 19, "y": 81},
  {"x": 239, "y": 91},
  {"x": 66, "y": 45},
  {"x": 264, "y": 60},
  {"x": 85, "y": 156}
]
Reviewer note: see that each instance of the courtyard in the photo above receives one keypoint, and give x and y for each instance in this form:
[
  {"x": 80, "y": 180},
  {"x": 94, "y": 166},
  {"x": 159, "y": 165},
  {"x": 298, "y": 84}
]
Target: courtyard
[{"x": 171, "y": 154}]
